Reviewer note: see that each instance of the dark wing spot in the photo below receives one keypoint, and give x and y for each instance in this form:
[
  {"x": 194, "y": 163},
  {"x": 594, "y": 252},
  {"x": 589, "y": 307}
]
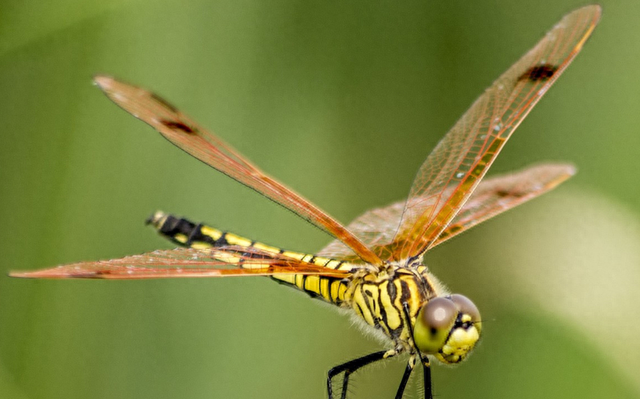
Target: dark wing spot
[
  {"x": 510, "y": 194},
  {"x": 164, "y": 102},
  {"x": 539, "y": 72},
  {"x": 177, "y": 125},
  {"x": 453, "y": 228}
]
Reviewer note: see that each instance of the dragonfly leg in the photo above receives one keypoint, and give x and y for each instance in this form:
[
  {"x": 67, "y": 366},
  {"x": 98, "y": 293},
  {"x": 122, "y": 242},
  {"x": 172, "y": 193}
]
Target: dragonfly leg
[
  {"x": 426, "y": 366},
  {"x": 405, "y": 376},
  {"x": 350, "y": 367}
]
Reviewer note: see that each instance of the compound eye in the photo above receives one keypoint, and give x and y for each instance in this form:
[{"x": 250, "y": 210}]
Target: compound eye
[
  {"x": 433, "y": 324},
  {"x": 467, "y": 308}
]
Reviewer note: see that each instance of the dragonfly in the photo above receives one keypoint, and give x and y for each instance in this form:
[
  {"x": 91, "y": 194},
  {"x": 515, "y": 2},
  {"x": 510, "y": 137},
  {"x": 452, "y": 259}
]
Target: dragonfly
[{"x": 374, "y": 267}]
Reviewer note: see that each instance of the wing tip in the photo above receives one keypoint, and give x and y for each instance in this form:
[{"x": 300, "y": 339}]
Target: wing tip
[
  {"x": 568, "y": 169},
  {"x": 19, "y": 274},
  {"x": 597, "y": 8},
  {"x": 104, "y": 82},
  {"x": 560, "y": 173},
  {"x": 593, "y": 9},
  {"x": 53, "y": 273}
]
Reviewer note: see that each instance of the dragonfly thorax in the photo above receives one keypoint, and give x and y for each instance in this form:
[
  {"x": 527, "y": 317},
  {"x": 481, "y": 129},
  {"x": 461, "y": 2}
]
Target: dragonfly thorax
[{"x": 442, "y": 325}]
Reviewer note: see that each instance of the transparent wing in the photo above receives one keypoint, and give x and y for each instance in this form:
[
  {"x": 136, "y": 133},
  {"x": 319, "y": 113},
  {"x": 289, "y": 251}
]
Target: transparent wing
[
  {"x": 502, "y": 193},
  {"x": 186, "y": 262},
  {"x": 492, "y": 197},
  {"x": 463, "y": 156},
  {"x": 208, "y": 148},
  {"x": 375, "y": 228}
]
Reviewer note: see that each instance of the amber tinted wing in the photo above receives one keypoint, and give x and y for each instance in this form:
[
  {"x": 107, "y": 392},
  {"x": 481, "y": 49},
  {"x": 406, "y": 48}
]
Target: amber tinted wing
[
  {"x": 463, "y": 156},
  {"x": 492, "y": 197},
  {"x": 186, "y": 262},
  {"x": 204, "y": 145},
  {"x": 501, "y": 193}
]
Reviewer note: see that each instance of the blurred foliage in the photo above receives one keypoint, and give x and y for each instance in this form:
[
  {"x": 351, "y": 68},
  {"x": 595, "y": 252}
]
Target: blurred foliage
[{"x": 342, "y": 100}]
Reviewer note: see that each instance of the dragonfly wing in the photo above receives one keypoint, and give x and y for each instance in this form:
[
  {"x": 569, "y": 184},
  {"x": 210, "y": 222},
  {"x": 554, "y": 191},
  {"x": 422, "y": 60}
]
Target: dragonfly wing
[
  {"x": 501, "y": 193},
  {"x": 376, "y": 228},
  {"x": 464, "y": 155},
  {"x": 492, "y": 196},
  {"x": 186, "y": 262},
  {"x": 210, "y": 149}
]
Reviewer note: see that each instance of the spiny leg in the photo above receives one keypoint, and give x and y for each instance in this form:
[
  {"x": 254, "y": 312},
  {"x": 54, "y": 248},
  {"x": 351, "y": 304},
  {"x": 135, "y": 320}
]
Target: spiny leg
[
  {"x": 426, "y": 367},
  {"x": 405, "y": 376},
  {"x": 350, "y": 367}
]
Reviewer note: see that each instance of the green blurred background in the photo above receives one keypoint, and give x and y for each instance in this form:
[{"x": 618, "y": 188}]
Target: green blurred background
[{"x": 342, "y": 100}]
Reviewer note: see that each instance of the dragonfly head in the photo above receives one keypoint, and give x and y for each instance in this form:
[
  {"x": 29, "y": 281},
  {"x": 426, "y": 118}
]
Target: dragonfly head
[{"x": 448, "y": 328}]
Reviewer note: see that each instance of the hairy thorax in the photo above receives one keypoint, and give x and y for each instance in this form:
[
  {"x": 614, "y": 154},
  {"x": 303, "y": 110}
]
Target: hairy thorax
[{"x": 377, "y": 297}]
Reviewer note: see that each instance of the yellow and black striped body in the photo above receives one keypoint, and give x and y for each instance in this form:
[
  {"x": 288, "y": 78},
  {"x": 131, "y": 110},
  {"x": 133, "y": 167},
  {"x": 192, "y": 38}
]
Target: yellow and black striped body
[
  {"x": 378, "y": 296},
  {"x": 375, "y": 295},
  {"x": 188, "y": 234}
]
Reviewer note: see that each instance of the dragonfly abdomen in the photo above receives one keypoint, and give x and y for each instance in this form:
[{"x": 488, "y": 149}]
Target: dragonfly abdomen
[{"x": 196, "y": 235}]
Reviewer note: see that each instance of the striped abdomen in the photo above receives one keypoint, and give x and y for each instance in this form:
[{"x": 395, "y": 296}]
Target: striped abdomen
[{"x": 188, "y": 234}]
